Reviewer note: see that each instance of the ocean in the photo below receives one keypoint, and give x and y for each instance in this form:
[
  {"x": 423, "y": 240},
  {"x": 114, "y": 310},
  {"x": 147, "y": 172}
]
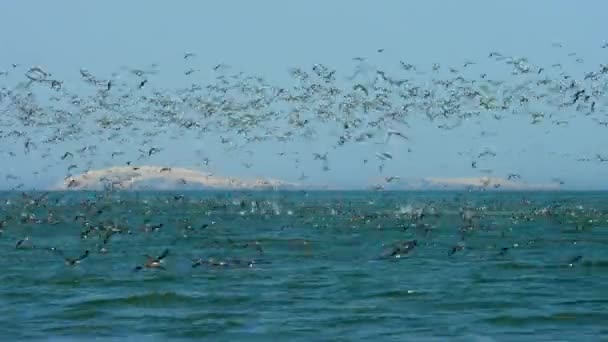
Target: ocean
[{"x": 304, "y": 266}]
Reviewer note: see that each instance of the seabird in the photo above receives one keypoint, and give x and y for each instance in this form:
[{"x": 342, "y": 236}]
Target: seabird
[
  {"x": 154, "y": 262},
  {"x": 70, "y": 261},
  {"x": 402, "y": 248}
]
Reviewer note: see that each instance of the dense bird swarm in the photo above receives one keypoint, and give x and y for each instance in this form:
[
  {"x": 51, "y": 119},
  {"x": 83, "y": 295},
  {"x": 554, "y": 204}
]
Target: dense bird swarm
[{"x": 132, "y": 106}]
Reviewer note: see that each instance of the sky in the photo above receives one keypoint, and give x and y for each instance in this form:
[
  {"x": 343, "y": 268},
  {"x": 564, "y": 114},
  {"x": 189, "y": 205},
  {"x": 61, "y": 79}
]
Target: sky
[{"x": 269, "y": 37}]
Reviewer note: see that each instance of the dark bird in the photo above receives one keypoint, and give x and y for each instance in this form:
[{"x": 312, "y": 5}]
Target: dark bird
[
  {"x": 71, "y": 261},
  {"x": 402, "y": 248},
  {"x": 455, "y": 249},
  {"x": 154, "y": 262},
  {"x": 73, "y": 183},
  {"x": 151, "y": 151},
  {"x": 20, "y": 243},
  {"x": 578, "y": 95},
  {"x": 318, "y": 156},
  {"x": 28, "y": 145},
  {"x": 513, "y": 176},
  {"x": 362, "y": 88}
]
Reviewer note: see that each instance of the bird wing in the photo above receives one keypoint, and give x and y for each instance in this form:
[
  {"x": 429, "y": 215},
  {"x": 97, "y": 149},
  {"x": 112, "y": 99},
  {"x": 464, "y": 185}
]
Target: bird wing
[
  {"x": 163, "y": 255},
  {"x": 83, "y": 256}
]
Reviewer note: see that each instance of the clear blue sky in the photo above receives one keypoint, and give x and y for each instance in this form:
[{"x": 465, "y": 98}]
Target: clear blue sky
[{"x": 268, "y": 37}]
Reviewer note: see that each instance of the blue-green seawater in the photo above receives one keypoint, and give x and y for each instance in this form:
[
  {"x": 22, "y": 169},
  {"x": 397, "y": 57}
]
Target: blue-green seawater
[{"x": 298, "y": 266}]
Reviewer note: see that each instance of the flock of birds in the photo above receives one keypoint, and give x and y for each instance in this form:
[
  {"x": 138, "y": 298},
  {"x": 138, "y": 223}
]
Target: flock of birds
[
  {"x": 110, "y": 224},
  {"x": 131, "y": 109}
]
